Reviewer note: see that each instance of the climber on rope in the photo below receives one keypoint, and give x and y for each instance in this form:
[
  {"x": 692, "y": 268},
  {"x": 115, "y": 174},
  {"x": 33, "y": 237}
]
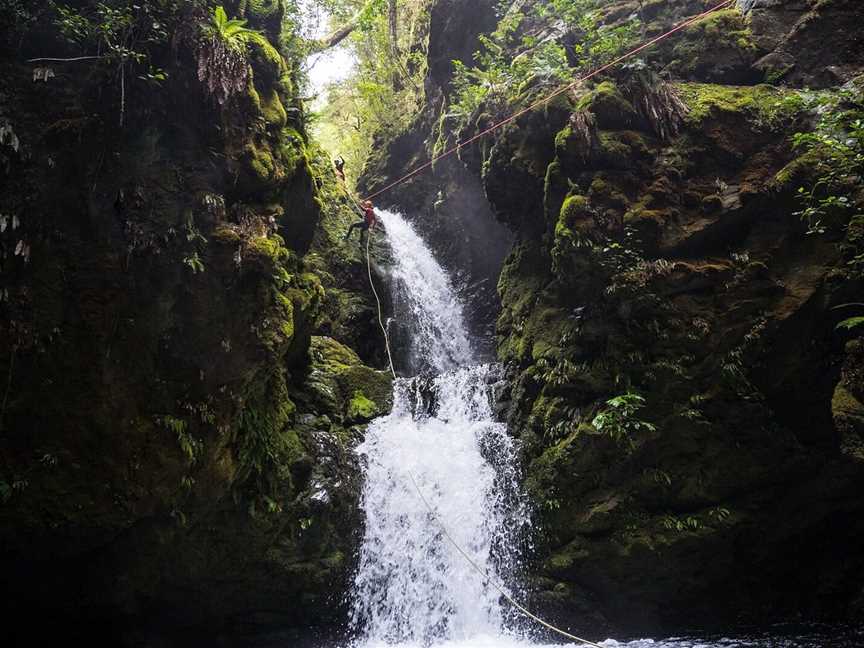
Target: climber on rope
[
  {"x": 367, "y": 212},
  {"x": 339, "y": 163}
]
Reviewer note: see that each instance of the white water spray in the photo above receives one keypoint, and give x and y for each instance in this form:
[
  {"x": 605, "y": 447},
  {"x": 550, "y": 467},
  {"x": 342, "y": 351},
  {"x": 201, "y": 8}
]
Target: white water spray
[
  {"x": 438, "y": 335},
  {"x": 412, "y": 586},
  {"x": 413, "y": 589}
]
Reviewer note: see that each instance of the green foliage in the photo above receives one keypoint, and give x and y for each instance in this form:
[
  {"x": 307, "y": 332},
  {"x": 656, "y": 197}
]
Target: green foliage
[
  {"x": 618, "y": 419},
  {"x": 835, "y": 149},
  {"x": 265, "y": 445},
  {"x": 512, "y": 63},
  {"x": 5, "y": 492},
  {"x": 194, "y": 262},
  {"x": 384, "y": 92},
  {"x": 223, "y": 55},
  {"x": 237, "y": 36},
  {"x": 850, "y": 323},
  {"x": 658, "y": 476},
  {"x": 189, "y": 445},
  {"x": 719, "y": 514},
  {"x": 735, "y": 366},
  {"x": 681, "y": 524}
]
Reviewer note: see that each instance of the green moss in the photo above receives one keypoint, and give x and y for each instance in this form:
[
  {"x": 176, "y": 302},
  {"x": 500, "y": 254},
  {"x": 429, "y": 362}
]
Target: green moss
[
  {"x": 250, "y": 101},
  {"x": 344, "y": 384},
  {"x": 609, "y": 105},
  {"x": 286, "y": 315},
  {"x": 602, "y": 191},
  {"x": 844, "y": 404},
  {"x": 653, "y": 218},
  {"x": 562, "y": 138},
  {"x": 762, "y": 104},
  {"x": 616, "y": 150},
  {"x": 361, "y": 408},
  {"x": 267, "y": 63},
  {"x": 259, "y": 162},
  {"x": 575, "y": 208},
  {"x": 273, "y": 110},
  {"x": 270, "y": 247},
  {"x": 264, "y": 439},
  {"x": 225, "y": 235},
  {"x": 801, "y": 171},
  {"x": 263, "y": 10},
  {"x": 292, "y": 151},
  {"x": 721, "y": 38}
]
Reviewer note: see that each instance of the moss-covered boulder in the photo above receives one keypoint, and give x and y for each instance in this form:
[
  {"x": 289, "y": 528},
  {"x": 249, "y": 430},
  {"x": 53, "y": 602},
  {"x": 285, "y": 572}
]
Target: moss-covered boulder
[{"x": 341, "y": 383}]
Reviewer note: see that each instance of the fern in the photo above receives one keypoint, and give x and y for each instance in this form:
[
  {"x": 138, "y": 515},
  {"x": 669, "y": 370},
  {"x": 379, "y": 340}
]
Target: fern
[
  {"x": 850, "y": 323},
  {"x": 223, "y": 64}
]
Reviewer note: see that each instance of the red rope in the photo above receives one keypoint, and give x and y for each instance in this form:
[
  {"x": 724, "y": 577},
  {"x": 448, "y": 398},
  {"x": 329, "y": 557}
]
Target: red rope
[{"x": 546, "y": 100}]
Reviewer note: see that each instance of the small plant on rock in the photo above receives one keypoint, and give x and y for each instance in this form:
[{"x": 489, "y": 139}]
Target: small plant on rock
[{"x": 618, "y": 419}]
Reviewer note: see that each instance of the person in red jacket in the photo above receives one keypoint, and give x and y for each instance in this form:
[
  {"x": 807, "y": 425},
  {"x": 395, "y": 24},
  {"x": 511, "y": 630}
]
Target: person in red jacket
[{"x": 367, "y": 211}]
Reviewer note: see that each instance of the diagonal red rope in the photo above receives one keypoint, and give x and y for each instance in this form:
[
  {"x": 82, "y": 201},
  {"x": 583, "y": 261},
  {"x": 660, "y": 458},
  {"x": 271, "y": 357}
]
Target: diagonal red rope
[{"x": 550, "y": 97}]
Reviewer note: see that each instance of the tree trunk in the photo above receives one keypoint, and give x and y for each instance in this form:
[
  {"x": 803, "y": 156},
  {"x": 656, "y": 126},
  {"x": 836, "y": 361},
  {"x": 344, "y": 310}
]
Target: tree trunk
[
  {"x": 393, "y": 24},
  {"x": 393, "y": 20}
]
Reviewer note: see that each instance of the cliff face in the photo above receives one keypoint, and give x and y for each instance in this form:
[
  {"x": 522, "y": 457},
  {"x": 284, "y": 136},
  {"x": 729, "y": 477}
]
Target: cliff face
[
  {"x": 446, "y": 205},
  {"x": 690, "y": 418},
  {"x": 175, "y": 434}
]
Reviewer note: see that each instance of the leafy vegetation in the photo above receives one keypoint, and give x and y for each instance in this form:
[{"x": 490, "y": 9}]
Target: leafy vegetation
[
  {"x": 385, "y": 90},
  {"x": 223, "y": 55},
  {"x": 520, "y": 57},
  {"x": 835, "y": 148},
  {"x": 618, "y": 419}
]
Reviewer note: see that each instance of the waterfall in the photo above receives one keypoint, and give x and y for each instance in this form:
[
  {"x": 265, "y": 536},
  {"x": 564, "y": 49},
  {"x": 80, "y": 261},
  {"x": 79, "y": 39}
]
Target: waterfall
[{"x": 412, "y": 586}]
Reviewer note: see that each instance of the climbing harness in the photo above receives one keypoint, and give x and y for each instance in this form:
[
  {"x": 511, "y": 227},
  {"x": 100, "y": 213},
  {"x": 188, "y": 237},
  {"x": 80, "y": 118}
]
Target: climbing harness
[
  {"x": 428, "y": 164},
  {"x": 546, "y": 100},
  {"x": 490, "y": 579}
]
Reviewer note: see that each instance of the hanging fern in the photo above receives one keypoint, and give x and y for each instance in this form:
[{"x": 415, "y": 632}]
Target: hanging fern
[{"x": 223, "y": 64}]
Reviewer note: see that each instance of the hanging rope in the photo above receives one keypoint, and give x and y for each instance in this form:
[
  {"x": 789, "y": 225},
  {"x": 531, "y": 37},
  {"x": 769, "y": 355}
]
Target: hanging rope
[
  {"x": 549, "y": 98},
  {"x": 492, "y": 580},
  {"x": 378, "y": 300}
]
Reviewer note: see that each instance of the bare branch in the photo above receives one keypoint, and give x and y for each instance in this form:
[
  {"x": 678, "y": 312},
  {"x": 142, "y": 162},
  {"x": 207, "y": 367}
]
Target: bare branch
[
  {"x": 64, "y": 60},
  {"x": 340, "y": 34}
]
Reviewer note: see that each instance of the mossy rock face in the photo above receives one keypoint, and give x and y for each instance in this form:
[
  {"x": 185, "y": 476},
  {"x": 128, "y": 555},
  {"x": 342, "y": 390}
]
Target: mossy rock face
[
  {"x": 267, "y": 64},
  {"x": 764, "y": 105},
  {"x": 341, "y": 383},
  {"x": 575, "y": 210},
  {"x": 273, "y": 111},
  {"x": 847, "y": 403},
  {"x": 611, "y": 109},
  {"x": 263, "y": 15},
  {"x": 718, "y": 49},
  {"x": 658, "y": 259},
  {"x": 361, "y": 408}
]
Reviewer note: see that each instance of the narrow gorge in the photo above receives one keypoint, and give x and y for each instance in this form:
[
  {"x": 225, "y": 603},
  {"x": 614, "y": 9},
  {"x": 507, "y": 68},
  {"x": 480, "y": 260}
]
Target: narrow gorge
[{"x": 620, "y": 287}]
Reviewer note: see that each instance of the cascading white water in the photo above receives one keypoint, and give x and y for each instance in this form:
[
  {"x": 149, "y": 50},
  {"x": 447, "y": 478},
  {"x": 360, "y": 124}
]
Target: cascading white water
[
  {"x": 412, "y": 586},
  {"x": 438, "y": 336}
]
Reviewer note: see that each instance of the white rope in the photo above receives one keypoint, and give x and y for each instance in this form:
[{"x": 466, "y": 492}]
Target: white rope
[
  {"x": 491, "y": 580},
  {"x": 378, "y": 300}
]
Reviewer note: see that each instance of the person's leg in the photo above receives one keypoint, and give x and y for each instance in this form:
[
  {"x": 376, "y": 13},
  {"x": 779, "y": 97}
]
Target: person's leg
[{"x": 351, "y": 229}]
